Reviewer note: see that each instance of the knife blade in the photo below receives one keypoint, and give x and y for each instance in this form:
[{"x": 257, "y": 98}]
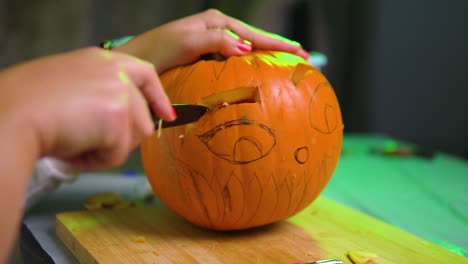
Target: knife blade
[{"x": 186, "y": 113}]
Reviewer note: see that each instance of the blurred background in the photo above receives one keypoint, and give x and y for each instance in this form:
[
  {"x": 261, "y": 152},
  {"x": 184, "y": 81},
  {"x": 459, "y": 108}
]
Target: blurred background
[{"x": 399, "y": 68}]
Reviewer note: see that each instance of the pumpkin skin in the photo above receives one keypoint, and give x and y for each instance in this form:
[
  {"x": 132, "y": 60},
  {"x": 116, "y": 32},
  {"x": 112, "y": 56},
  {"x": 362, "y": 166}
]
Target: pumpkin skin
[{"x": 264, "y": 151}]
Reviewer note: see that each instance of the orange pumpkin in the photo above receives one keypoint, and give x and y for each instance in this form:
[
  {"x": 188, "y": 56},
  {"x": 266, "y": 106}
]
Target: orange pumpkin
[{"x": 265, "y": 150}]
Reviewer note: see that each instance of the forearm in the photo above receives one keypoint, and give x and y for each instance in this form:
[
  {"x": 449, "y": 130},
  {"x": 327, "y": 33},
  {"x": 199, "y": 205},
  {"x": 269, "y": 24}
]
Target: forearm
[
  {"x": 145, "y": 47},
  {"x": 18, "y": 152}
]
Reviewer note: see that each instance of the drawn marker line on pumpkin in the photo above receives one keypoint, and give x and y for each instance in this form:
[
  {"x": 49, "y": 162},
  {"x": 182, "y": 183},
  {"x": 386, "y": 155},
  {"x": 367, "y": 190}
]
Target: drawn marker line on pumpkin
[
  {"x": 316, "y": 176},
  {"x": 192, "y": 181},
  {"x": 301, "y": 154},
  {"x": 289, "y": 193},
  {"x": 273, "y": 208},
  {"x": 321, "y": 175},
  {"x": 222, "y": 184},
  {"x": 311, "y": 184},
  {"x": 186, "y": 185},
  {"x": 294, "y": 191},
  {"x": 218, "y": 69},
  {"x": 289, "y": 187},
  {"x": 238, "y": 199},
  {"x": 272, "y": 178},
  {"x": 227, "y": 195},
  {"x": 304, "y": 191},
  {"x": 179, "y": 82},
  {"x": 277, "y": 199},
  {"x": 278, "y": 190},
  {"x": 226, "y": 198},
  {"x": 202, "y": 197},
  {"x": 251, "y": 142},
  {"x": 257, "y": 207},
  {"x": 323, "y": 119},
  {"x": 297, "y": 192},
  {"x": 243, "y": 206}
]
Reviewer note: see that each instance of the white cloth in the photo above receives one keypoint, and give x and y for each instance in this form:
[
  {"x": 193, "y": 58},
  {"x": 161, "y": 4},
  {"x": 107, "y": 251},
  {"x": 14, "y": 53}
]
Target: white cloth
[{"x": 48, "y": 174}]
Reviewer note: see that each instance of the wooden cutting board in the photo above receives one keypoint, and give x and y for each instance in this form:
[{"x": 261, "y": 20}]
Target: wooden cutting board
[{"x": 326, "y": 229}]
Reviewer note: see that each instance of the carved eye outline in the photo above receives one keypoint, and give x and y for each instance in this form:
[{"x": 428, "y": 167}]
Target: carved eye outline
[
  {"x": 327, "y": 110},
  {"x": 210, "y": 134}
]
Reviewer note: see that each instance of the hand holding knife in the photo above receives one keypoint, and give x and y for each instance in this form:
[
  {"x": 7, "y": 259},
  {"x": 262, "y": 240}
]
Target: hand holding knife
[{"x": 186, "y": 113}]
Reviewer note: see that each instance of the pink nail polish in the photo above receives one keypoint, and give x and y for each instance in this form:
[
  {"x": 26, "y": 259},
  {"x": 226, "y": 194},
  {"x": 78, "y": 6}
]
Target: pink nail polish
[
  {"x": 303, "y": 53},
  {"x": 244, "y": 46},
  {"x": 174, "y": 113}
]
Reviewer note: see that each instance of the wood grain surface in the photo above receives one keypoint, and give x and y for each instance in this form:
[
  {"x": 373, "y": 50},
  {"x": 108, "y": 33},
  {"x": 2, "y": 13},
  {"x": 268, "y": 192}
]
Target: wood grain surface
[{"x": 325, "y": 229}]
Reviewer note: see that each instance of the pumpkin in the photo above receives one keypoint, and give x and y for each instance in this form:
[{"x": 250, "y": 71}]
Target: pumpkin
[{"x": 264, "y": 151}]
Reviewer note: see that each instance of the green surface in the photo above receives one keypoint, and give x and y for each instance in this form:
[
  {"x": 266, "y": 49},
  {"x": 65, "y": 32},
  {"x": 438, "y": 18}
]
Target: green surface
[{"x": 425, "y": 196}]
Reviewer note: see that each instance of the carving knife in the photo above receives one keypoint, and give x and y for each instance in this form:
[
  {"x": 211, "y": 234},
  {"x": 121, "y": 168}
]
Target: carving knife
[{"x": 186, "y": 113}]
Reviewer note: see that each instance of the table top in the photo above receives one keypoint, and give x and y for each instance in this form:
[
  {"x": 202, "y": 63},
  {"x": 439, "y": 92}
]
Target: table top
[{"x": 417, "y": 194}]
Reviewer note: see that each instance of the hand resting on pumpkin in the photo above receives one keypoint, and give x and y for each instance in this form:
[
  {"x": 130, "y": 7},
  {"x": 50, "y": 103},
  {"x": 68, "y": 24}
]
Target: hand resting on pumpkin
[
  {"x": 89, "y": 107},
  {"x": 185, "y": 40}
]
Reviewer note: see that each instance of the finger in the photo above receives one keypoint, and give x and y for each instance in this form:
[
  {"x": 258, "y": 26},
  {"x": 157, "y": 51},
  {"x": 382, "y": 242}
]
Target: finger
[
  {"x": 113, "y": 150},
  {"x": 141, "y": 124},
  {"x": 98, "y": 159},
  {"x": 111, "y": 144},
  {"x": 216, "y": 41},
  {"x": 223, "y": 42},
  {"x": 259, "y": 38},
  {"x": 303, "y": 53},
  {"x": 140, "y": 117},
  {"x": 143, "y": 75}
]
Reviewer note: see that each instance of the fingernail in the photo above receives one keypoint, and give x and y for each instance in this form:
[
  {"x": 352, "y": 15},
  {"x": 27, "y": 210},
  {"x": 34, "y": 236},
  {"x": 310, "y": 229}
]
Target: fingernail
[
  {"x": 174, "y": 113},
  {"x": 244, "y": 45},
  {"x": 303, "y": 53}
]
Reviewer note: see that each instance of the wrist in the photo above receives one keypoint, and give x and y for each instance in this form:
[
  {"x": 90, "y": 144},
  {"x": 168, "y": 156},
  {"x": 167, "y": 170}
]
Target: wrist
[
  {"x": 135, "y": 46},
  {"x": 16, "y": 118},
  {"x": 19, "y": 133},
  {"x": 114, "y": 43}
]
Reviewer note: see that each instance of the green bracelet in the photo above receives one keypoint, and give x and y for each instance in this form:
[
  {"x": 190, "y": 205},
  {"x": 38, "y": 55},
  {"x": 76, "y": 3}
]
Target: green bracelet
[{"x": 112, "y": 43}]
